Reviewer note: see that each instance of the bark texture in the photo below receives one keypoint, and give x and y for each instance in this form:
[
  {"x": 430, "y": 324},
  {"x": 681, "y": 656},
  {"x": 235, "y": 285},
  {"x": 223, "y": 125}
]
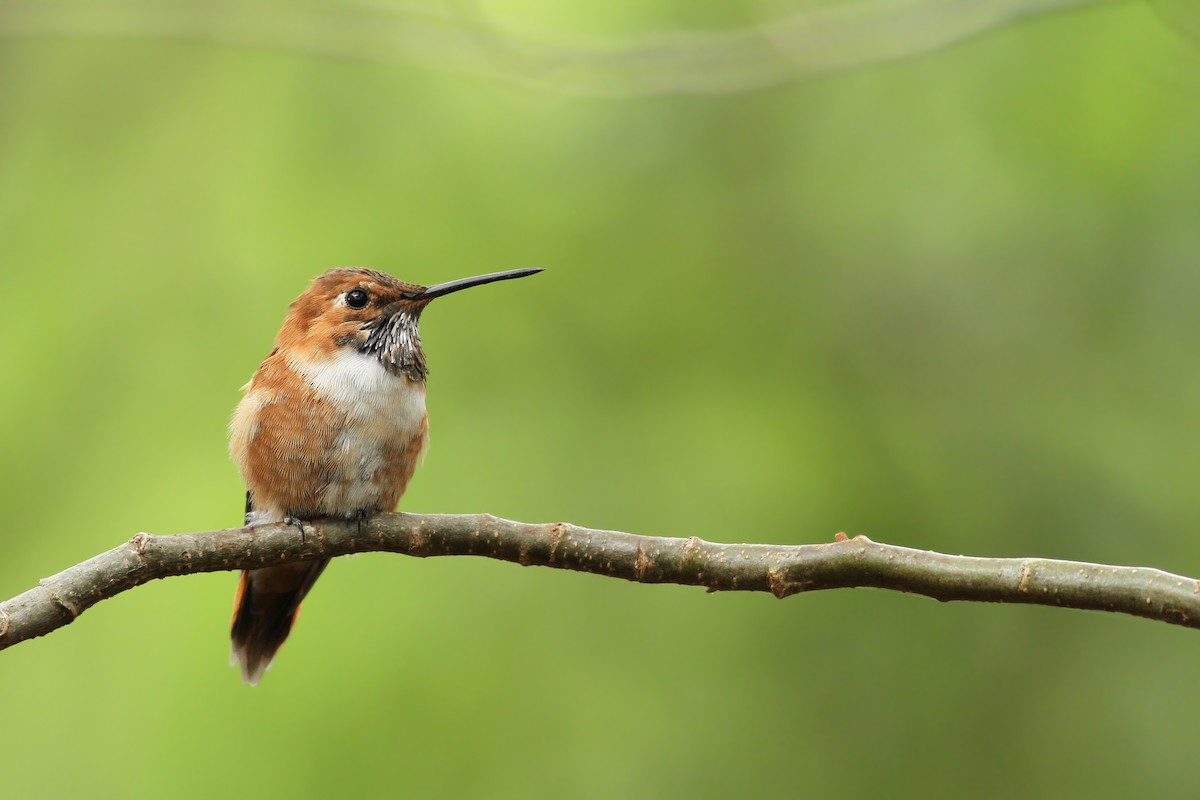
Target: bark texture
[{"x": 782, "y": 570}]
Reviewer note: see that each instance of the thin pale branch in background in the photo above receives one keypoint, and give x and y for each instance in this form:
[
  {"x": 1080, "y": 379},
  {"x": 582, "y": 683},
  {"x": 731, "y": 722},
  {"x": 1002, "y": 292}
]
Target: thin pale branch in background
[
  {"x": 808, "y": 42},
  {"x": 782, "y": 570}
]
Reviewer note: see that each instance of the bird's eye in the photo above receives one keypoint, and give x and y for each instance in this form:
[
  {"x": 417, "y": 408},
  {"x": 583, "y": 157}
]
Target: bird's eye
[{"x": 357, "y": 298}]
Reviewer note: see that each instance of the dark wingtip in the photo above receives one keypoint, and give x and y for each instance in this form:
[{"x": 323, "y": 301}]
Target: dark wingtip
[
  {"x": 253, "y": 663},
  {"x": 264, "y": 615}
]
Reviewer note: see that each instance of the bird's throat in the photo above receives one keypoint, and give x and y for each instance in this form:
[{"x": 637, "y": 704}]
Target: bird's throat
[{"x": 396, "y": 342}]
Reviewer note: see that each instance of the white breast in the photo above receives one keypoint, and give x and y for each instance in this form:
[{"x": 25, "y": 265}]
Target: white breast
[
  {"x": 381, "y": 412},
  {"x": 359, "y": 386}
]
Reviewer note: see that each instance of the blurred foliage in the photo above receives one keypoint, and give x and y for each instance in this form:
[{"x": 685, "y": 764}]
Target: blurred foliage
[{"x": 949, "y": 302}]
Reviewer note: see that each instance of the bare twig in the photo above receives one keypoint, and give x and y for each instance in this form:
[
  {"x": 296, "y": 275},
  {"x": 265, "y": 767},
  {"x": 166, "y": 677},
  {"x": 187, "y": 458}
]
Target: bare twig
[
  {"x": 813, "y": 39},
  {"x": 780, "y": 569}
]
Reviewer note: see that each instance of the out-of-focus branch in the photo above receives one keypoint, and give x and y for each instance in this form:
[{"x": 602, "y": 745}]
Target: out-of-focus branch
[
  {"x": 780, "y": 569},
  {"x": 812, "y": 40}
]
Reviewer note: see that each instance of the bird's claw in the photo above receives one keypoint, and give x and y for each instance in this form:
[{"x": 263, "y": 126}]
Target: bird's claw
[{"x": 298, "y": 524}]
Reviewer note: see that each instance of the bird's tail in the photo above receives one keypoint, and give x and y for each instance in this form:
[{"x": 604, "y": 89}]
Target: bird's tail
[{"x": 267, "y": 603}]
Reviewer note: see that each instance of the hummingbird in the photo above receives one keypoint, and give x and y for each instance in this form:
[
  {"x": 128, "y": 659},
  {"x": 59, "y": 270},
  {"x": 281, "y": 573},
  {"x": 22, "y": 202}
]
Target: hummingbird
[{"x": 332, "y": 424}]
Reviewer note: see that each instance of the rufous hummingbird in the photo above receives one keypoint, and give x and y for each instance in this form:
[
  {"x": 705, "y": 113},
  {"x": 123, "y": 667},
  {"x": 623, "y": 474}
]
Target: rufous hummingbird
[{"x": 331, "y": 425}]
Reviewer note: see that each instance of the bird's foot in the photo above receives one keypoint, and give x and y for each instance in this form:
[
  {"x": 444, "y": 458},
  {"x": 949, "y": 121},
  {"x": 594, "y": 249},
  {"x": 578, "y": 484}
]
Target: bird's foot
[{"x": 298, "y": 524}]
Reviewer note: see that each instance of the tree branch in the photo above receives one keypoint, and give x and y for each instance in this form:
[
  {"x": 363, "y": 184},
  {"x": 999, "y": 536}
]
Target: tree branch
[
  {"x": 782, "y": 570},
  {"x": 811, "y": 40}
]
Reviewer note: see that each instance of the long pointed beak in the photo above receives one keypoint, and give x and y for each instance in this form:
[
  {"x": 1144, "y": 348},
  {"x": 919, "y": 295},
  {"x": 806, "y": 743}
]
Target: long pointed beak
[{"x": 466, "y": 283}]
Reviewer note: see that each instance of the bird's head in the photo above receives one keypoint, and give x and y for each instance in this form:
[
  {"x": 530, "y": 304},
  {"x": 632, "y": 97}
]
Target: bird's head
[{"x": 371, "y": 312}]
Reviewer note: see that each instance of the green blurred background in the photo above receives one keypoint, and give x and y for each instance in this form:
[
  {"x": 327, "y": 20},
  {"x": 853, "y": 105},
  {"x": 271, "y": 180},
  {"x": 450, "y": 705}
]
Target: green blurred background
[{"x": 949, "y": 302}]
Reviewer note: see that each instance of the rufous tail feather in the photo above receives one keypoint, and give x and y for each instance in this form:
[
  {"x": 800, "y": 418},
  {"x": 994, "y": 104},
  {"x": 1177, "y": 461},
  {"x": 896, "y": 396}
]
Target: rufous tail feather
[{"x": 267, "y": 603}]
